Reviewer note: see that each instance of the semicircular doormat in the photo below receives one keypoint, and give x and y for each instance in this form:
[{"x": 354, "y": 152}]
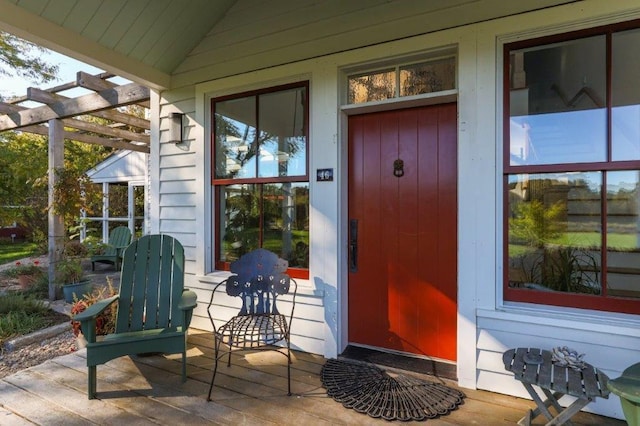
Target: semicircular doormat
[{"x": 369, "y": 389}]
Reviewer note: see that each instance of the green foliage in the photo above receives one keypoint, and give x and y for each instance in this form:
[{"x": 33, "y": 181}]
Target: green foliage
[
  {"x": 24, "y": 268},
  {"x": 39, "y": 289},
  {"x": 69, "y": 270},
  {"x": 10, "y": 252},
  {"x": 24, "y": 59},
  {"x": 23, "y": 160},
  {"x": 73, "y": 192},
  {"x": 570, "y": 269},
  {"x": 24, "y": 182},
  {"x": 536, "y": 223},
  {"x": 94, "y": 245},
  {"x": 20, "y": 314}
]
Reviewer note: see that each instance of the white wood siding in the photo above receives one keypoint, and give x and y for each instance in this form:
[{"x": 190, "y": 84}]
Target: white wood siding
[
  {"x": 486, "y": 325},
  {"x": 284, "y": 32},
  {"x": 123, "y": 166},
  {"x": 176, "y": 176}
]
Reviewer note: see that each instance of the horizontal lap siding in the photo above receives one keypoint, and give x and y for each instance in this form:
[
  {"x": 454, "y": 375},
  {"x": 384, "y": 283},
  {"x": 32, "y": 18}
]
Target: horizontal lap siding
[
  {"x": 307, "y": 325},
  {"x": 606, "y": 348},
  {"x": 281, "y": 33},
  {"x": 176, "y": 198}
]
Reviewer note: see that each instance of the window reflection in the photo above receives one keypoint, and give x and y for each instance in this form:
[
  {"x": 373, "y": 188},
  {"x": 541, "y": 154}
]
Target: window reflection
[
  {"x": 428, "y": 77},
  {"x": 271, "y": 216},
  {"x": 557, "y": 103},
  {"x": 623, "y": 234},
  {"x": 372, "y": 87},
  {"x": 554, "y": 232},
  {"x": 625, "y": 97},
  {"x": 282, "y": 133},
  {"x": 235, "y": 138}
]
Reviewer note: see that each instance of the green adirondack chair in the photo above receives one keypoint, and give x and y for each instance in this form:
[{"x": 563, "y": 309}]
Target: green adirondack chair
[
  {"x": 154, "y": 309},
  {"x": 119, "y": 239}
]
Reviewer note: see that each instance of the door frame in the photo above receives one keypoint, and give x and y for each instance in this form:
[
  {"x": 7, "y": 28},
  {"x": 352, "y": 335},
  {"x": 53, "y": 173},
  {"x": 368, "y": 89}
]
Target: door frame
[{"x": 343, "y": 202}]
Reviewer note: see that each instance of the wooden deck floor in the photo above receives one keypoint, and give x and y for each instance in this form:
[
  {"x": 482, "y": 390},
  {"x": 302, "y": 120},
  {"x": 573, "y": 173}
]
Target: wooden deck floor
[{"x": 148, "y": 391}]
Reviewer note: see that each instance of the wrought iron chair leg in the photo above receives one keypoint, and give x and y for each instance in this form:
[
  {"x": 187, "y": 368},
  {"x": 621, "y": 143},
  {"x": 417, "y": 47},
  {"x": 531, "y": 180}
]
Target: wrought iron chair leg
[
  {"x": 288, "y": 368},
  {"x": 229, "y": 358},
  {"x": 215, "y": 366}
]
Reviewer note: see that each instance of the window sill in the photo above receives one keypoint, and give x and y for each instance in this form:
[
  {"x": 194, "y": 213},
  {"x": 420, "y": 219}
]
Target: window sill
[{"x": 592, "y": 321}]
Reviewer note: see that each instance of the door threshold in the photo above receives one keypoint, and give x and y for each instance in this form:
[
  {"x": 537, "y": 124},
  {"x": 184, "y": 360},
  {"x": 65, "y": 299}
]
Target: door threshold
[{"x": 437, "y": 368}]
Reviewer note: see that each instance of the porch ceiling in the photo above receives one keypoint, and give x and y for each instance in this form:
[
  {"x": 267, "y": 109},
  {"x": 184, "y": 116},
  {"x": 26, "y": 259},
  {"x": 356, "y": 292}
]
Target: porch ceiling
[{"x": 154, "y": 41}]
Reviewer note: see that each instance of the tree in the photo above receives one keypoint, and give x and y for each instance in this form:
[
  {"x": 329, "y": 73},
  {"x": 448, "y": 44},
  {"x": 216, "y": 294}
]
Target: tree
[
  {"x": 24, "y": 180},
  {"x": 23, "y": 58}
]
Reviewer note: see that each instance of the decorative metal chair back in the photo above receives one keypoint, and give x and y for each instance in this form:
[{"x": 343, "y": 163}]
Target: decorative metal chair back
[{"x": 259, "y": 279}]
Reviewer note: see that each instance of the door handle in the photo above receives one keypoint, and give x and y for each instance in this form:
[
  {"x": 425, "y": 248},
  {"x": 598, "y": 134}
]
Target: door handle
[{"x": 353, "y": 245}]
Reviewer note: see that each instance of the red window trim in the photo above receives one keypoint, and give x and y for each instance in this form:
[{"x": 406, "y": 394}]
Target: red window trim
[
  {"x": 292, "y": 272},
  {"x": 600, "y": 302},
  {"x": 218, "y": 183}
]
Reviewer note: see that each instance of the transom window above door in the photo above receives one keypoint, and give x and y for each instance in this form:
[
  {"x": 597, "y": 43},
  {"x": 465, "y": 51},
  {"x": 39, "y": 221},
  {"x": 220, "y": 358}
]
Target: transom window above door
[{"x": 398, "y": 81}]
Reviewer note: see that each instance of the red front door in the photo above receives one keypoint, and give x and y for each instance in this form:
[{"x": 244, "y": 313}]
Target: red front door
[{"x": 403, "y": 230}]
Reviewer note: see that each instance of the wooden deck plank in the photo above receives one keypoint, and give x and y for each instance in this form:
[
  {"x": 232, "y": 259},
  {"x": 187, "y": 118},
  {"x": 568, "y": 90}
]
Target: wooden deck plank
[
  {"x": 51, "y": 391},
  {"x": 148, "y": 390},
  {"x": 29, "y": 406},
  {"x": 8, "y": 418}
]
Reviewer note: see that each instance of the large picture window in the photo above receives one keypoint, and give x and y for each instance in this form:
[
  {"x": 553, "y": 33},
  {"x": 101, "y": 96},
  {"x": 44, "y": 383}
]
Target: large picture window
[
  {"x": 260, "y": 178},
  {"x": 572, "y": 170}
]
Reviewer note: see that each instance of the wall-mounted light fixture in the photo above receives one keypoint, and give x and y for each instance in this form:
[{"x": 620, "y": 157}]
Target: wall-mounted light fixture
[{"x": 175, "y": 127}]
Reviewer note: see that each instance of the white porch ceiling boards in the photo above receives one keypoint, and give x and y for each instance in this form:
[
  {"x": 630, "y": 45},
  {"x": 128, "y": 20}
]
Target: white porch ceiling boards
[
  {"x": 174, "y": 43},
  {"x": 143, "y": 40}
]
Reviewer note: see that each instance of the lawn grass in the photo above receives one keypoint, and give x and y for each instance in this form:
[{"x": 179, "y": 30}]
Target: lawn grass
[{"x": 10, "y": 252}]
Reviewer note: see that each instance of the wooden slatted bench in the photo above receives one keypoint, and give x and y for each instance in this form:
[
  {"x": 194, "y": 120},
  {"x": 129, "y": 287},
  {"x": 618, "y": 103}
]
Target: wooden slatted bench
[{"x": 533, "y": 366}]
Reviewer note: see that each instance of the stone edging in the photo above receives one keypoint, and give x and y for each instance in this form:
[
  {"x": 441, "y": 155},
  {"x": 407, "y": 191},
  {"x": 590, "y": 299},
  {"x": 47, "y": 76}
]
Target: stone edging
[{"x": 36, "y": 336}]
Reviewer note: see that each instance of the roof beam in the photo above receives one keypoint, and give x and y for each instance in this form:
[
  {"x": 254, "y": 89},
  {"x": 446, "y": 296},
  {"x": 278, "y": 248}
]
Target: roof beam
[{"x": 87, "y": 104}]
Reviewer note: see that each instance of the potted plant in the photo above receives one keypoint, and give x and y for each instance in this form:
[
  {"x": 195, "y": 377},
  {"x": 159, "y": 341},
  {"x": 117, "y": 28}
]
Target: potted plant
[
  {"x": 70, "y": 275},
  {"x": 105, "y": 322}
]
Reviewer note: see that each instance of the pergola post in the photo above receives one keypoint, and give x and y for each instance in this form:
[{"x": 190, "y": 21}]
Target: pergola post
[{"x": 56, "y": 223}]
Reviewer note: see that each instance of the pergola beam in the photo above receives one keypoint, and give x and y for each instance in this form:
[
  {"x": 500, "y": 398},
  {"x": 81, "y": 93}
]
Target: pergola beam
[
  {"x": 97, "y": 83},
  {"x": 87, "y": 104},
  {"x": 40, "y": 129},
  {"x": 45, "y": 97}
]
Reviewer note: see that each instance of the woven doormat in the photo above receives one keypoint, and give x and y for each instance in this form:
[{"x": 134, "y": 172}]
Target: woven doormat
[{"x": 369, "y": 389}]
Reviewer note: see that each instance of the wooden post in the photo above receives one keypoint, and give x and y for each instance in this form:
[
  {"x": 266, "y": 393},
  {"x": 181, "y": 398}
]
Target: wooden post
[{"x": 56, "y": 222}]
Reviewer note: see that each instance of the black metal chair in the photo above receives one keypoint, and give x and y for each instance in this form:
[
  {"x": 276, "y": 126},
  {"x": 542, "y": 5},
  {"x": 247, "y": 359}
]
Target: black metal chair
[{"x": 259, "y": 279}]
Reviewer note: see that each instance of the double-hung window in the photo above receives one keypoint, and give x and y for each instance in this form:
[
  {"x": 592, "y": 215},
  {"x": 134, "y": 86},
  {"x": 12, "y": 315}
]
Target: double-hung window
[
  {"x": 260, "y": 178},
  {"x": 572, "y": 170}
]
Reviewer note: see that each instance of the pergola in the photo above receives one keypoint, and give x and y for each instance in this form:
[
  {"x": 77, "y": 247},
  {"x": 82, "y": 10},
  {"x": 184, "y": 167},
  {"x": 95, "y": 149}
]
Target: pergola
[{"x": 59, "y": 118}]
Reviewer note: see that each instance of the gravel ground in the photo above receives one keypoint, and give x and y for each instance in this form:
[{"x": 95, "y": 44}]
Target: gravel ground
[{"x": 36, "y": 353}]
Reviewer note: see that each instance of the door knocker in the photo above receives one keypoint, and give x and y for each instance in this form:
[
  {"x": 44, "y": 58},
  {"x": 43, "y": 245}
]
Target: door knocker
[{"x": 398, "y": 168}]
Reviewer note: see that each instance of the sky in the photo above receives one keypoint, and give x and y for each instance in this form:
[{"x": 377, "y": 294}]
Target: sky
[{"x": 11, "y": 87}]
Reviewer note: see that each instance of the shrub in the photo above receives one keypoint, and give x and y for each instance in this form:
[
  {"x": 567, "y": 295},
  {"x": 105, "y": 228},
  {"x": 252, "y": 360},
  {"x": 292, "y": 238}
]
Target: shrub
[
  {"x": 106, "y": 321},
  {"x": 26, "y": 268},
  {"x": 75, "y": 249},
  {"x": 20, "y": 314}
]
